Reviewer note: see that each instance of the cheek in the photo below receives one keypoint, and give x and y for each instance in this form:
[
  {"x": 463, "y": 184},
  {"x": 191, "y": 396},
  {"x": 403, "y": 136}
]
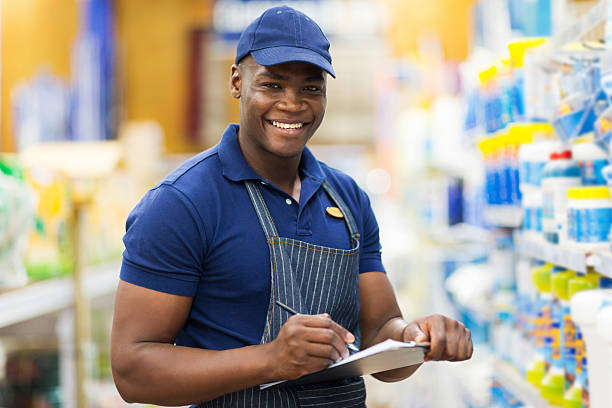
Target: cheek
[
  {"x": 320, "y": 110},
  {"x": 258, "y": 105}
]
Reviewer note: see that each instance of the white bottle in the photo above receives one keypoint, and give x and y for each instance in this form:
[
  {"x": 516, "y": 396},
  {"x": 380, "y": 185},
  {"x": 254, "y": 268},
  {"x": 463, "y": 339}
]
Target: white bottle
[
  {"x": 541, "y": 156},
  {"x": 585, "y": 306},
  {"x": 589, "y": 215},
  {"x": 591, "y": 160},
  {"x": 604, "y": 326},
  {"x": 527, "y": 158},
  {"x": 559, "y": 174},
  {"x": 532, "y": 213}
]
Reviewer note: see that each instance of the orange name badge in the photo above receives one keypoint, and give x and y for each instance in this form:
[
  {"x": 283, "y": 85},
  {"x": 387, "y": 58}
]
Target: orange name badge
[{"x": 334, "y": 212}]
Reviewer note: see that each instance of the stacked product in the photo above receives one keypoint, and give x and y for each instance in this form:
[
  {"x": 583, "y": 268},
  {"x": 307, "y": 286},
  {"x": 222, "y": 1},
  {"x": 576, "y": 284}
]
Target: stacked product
[
  {"x": 16, "y": 220},
  {"x": 585, "y": 307}
]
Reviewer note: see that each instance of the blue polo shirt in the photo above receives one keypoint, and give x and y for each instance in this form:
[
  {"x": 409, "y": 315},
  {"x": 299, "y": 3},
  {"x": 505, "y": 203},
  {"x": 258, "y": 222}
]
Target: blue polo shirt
[{"x": 196, "y": 234}]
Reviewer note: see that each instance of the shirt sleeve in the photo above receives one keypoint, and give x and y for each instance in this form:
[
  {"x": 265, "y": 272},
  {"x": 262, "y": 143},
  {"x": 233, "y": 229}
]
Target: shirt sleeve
[
  {"x": 370, "y": 258},
  {"x": 164, "y": 243}
]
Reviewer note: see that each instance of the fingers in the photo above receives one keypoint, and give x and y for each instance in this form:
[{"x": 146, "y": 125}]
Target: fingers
[
  {"x": 325, "y": 321},
  {"x": 323, "y": 351},
  {"x": 308, "y": 343},
  {"x": 438, "y": 339},
  {"x": 450, "y": 339},
  {"x": 322, "y": 329}
]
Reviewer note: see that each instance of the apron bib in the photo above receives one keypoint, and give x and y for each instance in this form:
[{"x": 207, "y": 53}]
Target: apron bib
[{"x": 312, "y": 279}]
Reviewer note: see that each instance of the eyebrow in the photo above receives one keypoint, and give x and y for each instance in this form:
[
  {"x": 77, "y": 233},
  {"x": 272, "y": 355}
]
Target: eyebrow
[
  {"x": 279, "y": 77},
  {"x": 273, "y": 75}
]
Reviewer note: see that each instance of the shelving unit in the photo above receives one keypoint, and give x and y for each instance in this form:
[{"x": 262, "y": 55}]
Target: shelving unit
[
  {"x": 603, "y": 263},
  {"x": 524, "y": 391},
  {"x": 505, "y": 216},
  {"x": 54, "y": 295},
  {"x": 566, "y": 257},
  {"x": 570, "y": 258}
]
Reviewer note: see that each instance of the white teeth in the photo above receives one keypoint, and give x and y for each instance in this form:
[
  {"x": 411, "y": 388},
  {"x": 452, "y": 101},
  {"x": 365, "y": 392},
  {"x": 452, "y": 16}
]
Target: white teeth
[{"x": 287, "y": 125}]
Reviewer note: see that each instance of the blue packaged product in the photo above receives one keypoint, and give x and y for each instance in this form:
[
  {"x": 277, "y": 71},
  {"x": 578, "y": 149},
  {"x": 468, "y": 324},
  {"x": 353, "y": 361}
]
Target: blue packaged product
[
  {"x": 591, "y": 160},
  {"x": 532, "y": 208},
  {"x": 589, "y": 217},
  {"x": 559, "y": 175}
]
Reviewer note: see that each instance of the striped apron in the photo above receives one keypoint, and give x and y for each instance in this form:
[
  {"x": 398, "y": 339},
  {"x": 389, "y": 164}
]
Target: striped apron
[{"x": 312, "y": 279}]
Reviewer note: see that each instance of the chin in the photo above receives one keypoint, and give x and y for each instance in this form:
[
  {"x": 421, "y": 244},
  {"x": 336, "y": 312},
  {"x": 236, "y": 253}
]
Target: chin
[
  {"x": 287, "y": 153},
  {"x": 285, "y": 149}
]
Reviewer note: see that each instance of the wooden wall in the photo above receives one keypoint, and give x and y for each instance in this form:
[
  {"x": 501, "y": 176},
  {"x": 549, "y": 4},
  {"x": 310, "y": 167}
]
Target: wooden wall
[
  {"x": 450, "y": 20},
  {"x": 35, "y": 34},
  {"x": 153, "y": 38},
  {"x": 154, "y": 52}
]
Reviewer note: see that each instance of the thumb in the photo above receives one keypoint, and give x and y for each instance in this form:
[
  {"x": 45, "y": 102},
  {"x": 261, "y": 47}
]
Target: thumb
[{"x": 413, "y": 332}]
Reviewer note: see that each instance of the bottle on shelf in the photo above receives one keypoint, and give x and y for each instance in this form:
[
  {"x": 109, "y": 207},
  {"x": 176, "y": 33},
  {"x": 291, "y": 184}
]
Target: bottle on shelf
[
  {"x": 553, "y": 384},
  {"x": 604, "y": 327},
  {"x": 533, "y": 155},
  {"x": 560, "y": 174},
  {"x": 591, "y": 160},
  {"x": 589, "y": 214},
  {"x": 539, "y": 365},
  {"x": 574, "y": 350},
  {"x": 584, "y": 308}
]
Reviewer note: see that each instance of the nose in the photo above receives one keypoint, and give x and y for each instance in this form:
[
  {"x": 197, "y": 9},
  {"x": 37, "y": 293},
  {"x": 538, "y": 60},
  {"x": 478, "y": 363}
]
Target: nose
[{"x": 291, "y": 101}]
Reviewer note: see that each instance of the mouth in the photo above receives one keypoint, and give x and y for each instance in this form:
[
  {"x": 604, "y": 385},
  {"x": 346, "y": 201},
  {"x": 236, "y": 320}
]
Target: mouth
[{"x": 288, "y": 127}]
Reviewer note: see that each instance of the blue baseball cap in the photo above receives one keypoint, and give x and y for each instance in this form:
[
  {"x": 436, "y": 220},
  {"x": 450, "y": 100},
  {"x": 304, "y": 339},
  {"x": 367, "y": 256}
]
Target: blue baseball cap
[{"x": 283, "y": 34}]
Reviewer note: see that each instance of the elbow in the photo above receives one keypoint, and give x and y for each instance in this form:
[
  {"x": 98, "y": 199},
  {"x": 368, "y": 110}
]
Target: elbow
[
  {"x": 398, "y": 374},
  {"x": 124, "y": 388},
  {"x": 124, "y": 371}
]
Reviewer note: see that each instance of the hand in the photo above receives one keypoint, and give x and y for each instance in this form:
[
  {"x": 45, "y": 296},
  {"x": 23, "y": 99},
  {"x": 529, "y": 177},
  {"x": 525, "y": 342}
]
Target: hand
[
  {"x": 308, "y": 343},
  {"x": 450, "y": 339}
]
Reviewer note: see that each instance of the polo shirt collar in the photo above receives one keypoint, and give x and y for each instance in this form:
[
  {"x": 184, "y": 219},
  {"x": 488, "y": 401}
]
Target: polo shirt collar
[{"x": 236, "y": 168}]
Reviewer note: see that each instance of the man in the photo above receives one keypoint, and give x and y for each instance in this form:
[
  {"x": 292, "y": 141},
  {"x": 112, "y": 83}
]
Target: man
[{"x": 215, "y": 249}]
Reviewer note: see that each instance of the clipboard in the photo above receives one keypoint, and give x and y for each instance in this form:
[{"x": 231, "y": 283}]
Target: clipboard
[{"x": 388, "y": 355}]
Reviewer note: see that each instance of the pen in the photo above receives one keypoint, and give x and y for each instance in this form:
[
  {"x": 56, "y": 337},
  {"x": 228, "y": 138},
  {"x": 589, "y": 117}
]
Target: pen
[{"x": 350, "y": 346}]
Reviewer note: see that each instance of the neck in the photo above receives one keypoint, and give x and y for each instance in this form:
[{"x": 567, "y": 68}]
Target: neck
[{"x": 280, "y": 171}]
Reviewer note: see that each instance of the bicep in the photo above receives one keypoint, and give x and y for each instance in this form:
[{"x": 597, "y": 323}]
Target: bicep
[
  {"x": 146, "y": 315},
  {"x": 378, "y": 305}
]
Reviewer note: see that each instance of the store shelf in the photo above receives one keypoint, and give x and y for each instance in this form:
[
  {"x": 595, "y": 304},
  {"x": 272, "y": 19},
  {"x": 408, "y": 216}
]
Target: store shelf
[
  {"x": 570, "y": 258},
  {"x": 50, "y": 296},
  {"x": 602, "y": 262},
  {"x": 524, "y": 391},
  {"x": 505, "y": 216}
]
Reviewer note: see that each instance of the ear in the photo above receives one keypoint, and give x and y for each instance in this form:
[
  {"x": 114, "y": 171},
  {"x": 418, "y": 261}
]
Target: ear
[{"x": 235, "y": 82}]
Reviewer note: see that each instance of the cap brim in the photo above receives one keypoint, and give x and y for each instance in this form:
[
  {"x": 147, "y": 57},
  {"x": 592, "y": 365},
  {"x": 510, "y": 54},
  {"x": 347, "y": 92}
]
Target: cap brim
[{"x": 280, "y": 55}]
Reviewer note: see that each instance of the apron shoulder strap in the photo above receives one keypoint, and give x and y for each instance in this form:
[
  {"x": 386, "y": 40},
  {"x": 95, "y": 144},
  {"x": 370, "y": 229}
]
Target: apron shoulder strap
[
  {"x": 267, "y": 223},
  {"x": 348, "y": 216},
  {"x": 265, "y": 219}
]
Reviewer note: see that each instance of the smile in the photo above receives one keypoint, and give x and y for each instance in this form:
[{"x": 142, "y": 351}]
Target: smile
[{"x": 282, "y": 125}]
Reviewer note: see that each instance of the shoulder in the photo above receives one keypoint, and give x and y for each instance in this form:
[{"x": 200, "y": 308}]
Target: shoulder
[
  {"x": 344, "y": 184},
  {"x": 179, "y": 194},
  {"x": 198, "y": 178},
  {"x": 191, "y": 170}
]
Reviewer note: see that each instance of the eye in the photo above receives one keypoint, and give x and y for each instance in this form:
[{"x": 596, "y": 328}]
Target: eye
[
  {"x": 312, "y": 88},
  {"x": 271, "y": 85}
]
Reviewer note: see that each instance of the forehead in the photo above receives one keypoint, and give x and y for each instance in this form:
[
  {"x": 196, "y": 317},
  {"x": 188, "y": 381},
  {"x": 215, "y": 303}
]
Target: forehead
[{"x": 288, "y": 70}]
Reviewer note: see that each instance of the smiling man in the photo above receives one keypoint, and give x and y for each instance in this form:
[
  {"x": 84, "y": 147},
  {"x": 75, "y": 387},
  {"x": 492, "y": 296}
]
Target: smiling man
[{"x": 256, "y": 222}]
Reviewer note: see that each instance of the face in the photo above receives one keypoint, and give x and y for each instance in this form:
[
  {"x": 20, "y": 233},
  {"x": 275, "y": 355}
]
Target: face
[{"x": 281, "y": 106}]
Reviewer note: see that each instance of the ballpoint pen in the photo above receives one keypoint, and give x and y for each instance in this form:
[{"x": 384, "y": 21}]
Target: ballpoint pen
[{"x": 350, "y": 346}]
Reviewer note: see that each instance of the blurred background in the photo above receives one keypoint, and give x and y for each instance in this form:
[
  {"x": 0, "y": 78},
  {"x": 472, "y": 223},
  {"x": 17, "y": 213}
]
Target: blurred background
[{"x": 445, "y": 111}]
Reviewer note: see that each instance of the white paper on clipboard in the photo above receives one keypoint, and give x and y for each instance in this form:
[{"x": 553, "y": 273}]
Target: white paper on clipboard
[{"x": 388, "y": 355}]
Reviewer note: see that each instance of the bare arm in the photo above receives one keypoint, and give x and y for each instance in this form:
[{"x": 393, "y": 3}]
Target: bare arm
[
  {"x": 148, "y": 368},
  {"x": 381, "y": 319}
]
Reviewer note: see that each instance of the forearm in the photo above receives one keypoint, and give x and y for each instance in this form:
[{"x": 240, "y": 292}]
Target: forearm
[
  {"x": 393, "y": 329},
  {"x": 165, "y": 374}
]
